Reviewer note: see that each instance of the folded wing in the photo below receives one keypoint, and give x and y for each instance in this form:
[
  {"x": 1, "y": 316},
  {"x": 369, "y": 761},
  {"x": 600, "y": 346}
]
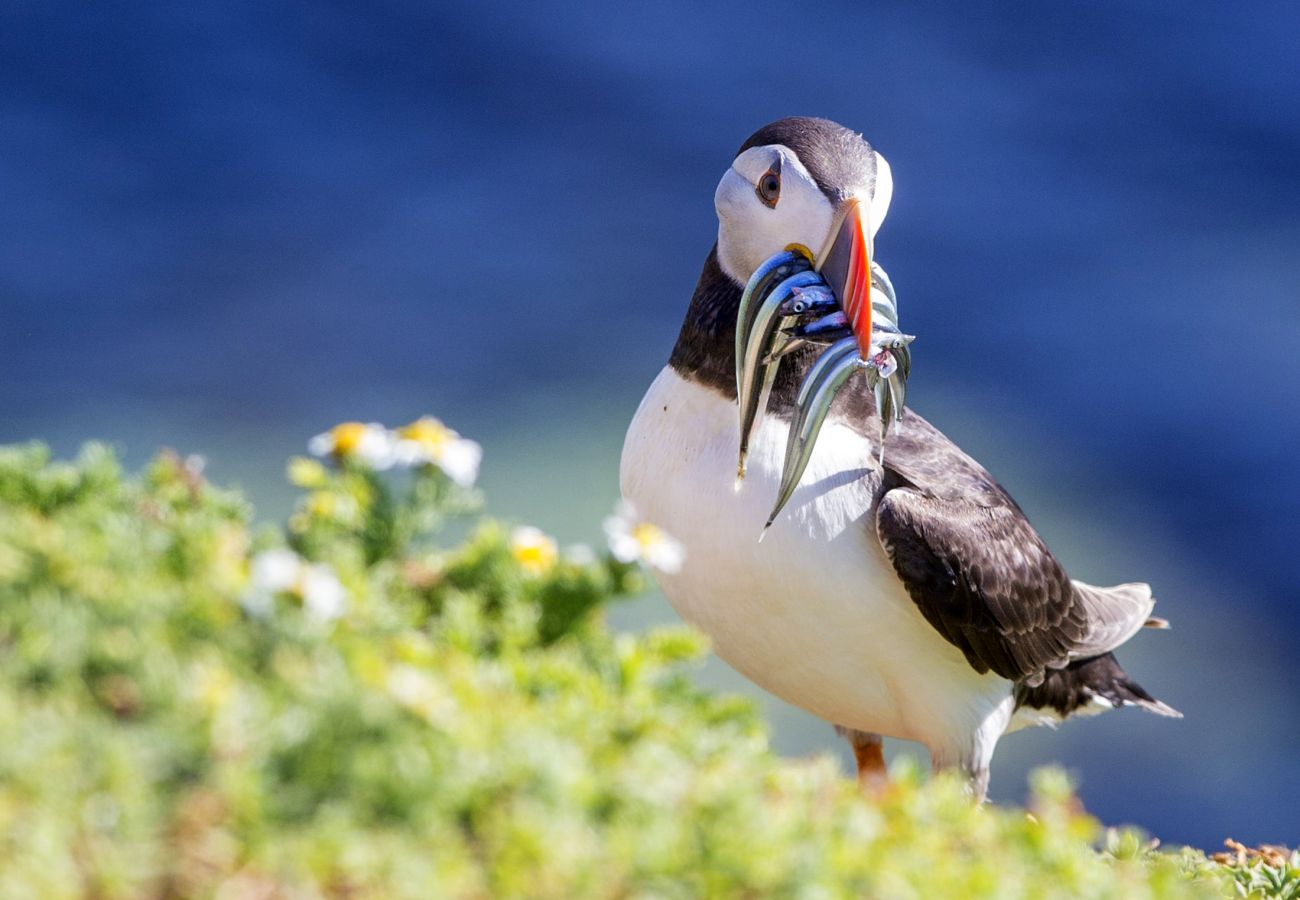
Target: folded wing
[{"x": 980, "y": 573}]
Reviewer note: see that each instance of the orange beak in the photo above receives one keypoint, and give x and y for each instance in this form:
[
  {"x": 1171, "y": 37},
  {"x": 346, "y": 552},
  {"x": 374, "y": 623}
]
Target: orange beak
[{"x": 845, "y": 263}]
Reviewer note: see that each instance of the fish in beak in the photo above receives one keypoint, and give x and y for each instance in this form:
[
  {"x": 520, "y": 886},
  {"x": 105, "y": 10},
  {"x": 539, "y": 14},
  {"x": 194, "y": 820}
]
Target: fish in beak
[
  {"x": 767, "y": 276},
  {"x": 840, "y": 297},
  {"x": 761, "y": 357},
  {"x": 816, "y": 392}
]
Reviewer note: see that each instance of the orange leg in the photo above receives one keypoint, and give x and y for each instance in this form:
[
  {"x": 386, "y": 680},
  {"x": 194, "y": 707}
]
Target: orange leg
[{"x": 868, "y": 751}]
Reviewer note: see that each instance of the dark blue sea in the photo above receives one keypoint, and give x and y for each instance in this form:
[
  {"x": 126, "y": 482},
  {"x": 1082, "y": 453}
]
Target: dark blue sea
[{"x": 225, "y": 226}]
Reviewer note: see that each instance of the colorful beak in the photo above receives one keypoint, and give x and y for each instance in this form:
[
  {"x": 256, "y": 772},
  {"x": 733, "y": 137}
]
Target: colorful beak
[{"x": 845, "y": 263}]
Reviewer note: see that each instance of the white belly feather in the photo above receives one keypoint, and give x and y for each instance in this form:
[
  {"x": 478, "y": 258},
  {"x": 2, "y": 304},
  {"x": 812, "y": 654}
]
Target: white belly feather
[{"x": 814, "y": 613}]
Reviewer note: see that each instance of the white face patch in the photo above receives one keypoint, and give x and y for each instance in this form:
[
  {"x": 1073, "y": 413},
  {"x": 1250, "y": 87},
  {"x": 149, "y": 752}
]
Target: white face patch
[
  {"x": 749, "y": 231},
  {"x": 882, "y": 194}
]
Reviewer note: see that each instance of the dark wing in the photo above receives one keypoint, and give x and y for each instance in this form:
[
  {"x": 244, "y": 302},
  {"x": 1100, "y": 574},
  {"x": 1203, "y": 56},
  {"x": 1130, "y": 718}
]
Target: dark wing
[
  {"x": 970, "y": 560},
  {"x": 984, "y": 579}
]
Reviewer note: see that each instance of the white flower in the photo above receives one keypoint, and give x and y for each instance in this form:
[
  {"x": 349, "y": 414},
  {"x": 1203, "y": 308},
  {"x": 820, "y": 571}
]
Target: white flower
[
  {"x": 281, "y": 571},
  {"x": 533, "y": 549},
  {"x": 273, "y": 572},
  {"x": 322, "y": 593},
  {"x": 372, "y": 444},
  {"x": 427, "y": 441},
  {"x": 633, "y": 540}
]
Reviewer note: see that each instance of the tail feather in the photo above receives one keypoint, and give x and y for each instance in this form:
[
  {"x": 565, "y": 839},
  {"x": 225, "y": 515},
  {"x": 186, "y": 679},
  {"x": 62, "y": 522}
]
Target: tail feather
[
  {"x": 1090, "y": 685},
  {"x": 1115, "y": 614},
  {"x": 1160, "y": 708}
]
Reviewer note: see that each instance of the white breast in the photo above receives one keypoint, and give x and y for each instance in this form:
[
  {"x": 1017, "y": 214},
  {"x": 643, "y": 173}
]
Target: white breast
[{"x": 814, "y": 613}]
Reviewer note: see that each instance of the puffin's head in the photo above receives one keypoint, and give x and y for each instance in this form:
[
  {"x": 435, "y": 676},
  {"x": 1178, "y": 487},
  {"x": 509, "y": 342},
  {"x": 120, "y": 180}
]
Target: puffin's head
[{"x": 812, "y": 184}]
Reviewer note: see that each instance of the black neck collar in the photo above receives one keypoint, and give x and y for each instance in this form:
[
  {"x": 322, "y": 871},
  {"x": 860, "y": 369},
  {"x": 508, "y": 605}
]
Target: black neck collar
[{"x": 706, "y": 347}]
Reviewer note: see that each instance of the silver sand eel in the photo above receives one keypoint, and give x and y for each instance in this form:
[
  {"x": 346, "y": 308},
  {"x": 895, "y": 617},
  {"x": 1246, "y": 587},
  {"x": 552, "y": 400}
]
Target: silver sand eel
[
  {"x": 766, "y": 281},
  {"x": 785, "y": 307}
]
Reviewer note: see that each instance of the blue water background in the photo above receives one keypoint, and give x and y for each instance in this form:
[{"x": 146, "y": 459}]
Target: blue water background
[{"x": 226, "y": 225}]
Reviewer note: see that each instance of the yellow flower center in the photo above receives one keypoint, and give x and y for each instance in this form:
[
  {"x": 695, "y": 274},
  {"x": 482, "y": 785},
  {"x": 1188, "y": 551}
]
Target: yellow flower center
[
  {"x": 647, "y": 535},
  {"x": 348, "y": 437},
  {"x": 429, "y": 433},
  {"x": 535, "y": 557}
]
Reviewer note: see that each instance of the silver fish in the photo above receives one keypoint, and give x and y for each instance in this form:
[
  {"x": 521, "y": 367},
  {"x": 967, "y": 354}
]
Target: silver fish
[
  {"x": 812, "y": 299},
  {"x": 778, "y": 267},
  {"x": 792, "y": 345},
  {"x": 816, "y": 394},
  {"x": 756, "y": 371},
  {"x": 836, "y": 324},
  {"x": 786, "y": 306},
  {"x": 822, "y": 385}
]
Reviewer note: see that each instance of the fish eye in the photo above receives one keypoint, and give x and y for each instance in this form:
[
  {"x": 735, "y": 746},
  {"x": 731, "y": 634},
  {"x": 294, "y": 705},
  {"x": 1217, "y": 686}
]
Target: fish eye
[{"x": 768, "y": 188}]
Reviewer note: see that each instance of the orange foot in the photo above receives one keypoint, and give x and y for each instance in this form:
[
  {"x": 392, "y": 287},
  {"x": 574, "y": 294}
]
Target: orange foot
[
  {"x": 868, "y": 751},
  {"x": 873, "y": 777}
]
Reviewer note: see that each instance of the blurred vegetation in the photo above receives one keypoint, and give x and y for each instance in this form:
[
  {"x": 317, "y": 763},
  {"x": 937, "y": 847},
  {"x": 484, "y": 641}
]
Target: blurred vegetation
[{"x": 354, "y": 707}]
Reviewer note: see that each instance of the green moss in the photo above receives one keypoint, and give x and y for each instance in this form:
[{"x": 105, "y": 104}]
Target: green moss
[{"x": 462, "y": 726}]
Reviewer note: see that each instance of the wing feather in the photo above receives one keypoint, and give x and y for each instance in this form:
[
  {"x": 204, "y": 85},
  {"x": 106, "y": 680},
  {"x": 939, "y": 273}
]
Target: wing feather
[
  {"x": 974, "y": 565},
  {"x": 985, "y": 580}
]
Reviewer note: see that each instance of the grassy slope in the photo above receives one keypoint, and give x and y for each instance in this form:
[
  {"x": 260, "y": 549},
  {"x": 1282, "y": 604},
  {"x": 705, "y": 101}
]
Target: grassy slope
[{"x": 466, "y": 727}]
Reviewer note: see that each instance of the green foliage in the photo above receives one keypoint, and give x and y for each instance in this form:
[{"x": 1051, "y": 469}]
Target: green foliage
[
  {"x": 187, "y": 709},
  {"x": 1267, "y": 871}
]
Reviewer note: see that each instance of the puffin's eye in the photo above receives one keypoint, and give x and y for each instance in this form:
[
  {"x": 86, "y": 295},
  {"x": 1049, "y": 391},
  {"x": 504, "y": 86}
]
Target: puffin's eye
[{"x": 769, "y": 186}]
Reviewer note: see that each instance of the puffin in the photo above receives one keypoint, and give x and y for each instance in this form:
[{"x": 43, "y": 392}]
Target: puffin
[{"x": 901, "y": 595}]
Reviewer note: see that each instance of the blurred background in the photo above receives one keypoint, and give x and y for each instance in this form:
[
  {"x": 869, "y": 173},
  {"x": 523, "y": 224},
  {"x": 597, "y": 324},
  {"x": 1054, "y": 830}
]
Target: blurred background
[{"x": 225, "y": 226}]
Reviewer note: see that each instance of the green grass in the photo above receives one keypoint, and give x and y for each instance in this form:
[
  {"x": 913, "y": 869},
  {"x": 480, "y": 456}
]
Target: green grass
[{"x": 461, "y": 724}]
